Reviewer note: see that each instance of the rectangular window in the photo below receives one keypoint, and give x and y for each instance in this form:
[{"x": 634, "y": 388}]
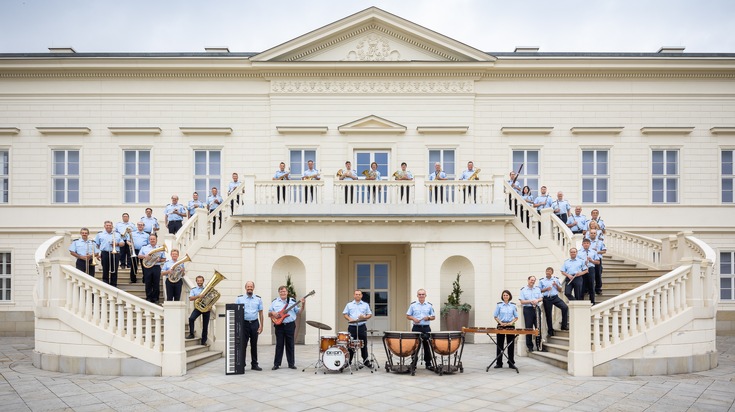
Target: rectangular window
[
  {"x": 137, "y": 176},
  {"x": 728, "y": 176},
  {"x": 665, "y": 176},
  {"x": 5, "y": 276},
  {"x": 298, "y": 159},
  {"x": 445, "y": 157},
  {"x": 595, "y": 176},
  {"x": 363, "y": 159},
  {"x": 727, "y": 275},
  {"x": 530, "y": 173},
  {"x": 208, "y": 172},
  {"x": 4, "y": 176},
  {"x": 65, "y": 176}
]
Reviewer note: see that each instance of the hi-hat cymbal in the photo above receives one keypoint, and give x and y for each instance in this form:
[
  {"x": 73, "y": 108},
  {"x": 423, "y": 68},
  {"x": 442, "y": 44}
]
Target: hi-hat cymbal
[
  {"x": 372, "y": 331},
  {"x": 318, "y": 325}
]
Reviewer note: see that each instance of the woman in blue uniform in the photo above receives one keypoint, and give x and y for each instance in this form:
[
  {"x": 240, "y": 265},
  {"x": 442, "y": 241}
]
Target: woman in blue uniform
[{"x": 506, "y": 314}]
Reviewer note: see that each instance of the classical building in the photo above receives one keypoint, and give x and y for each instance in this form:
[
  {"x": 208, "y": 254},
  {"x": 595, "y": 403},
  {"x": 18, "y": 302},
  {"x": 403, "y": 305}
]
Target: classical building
[{"x": 646, "y": 138}]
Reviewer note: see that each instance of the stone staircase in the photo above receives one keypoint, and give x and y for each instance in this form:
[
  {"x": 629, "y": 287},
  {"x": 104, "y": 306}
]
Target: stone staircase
[
  {"x": 618, "y": 277},
  {"x": 196, "y": 353}
]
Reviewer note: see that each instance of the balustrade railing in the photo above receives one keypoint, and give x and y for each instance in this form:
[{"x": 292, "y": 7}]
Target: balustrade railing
[{"x": 636, "y": 248}]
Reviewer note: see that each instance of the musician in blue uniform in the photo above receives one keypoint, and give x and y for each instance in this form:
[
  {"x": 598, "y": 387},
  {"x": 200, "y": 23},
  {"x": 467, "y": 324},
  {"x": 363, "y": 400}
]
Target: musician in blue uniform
[
  {"x": 173, "y": 289},
  {"x": 404, "y": 174},
  {"x": 281, "y": 174},
  {"x": 530, "y": 298},
  {"x": 309, "y": 174},
  {"x": 513, "y": 182},
  {"x": 194, "y": 295},
  {"x": 467, "y": 175},
  {"x": 213, "y": 202},
  {"x": 357, "y": 312},
  {"x": 506, "y": 314},
  {"x": 108, "y": 242},
  {"x": 253, "y": 322},
  {"x": 421, "y": 313},
  {"x": 231, "y": 187},
  {"x": 349, "y": 174},
  {"x": 286, "y": 330},
  {"x": 140, "y": 239},
  {"x": 122, "y": 229},
  {"x": 574, "y": 270},
  {"x": 152, "y": 275},
  {"x": 577, "y": 222},
  {"x": 597, "y": 244},
  {"x": 194, "y": 204},
  {"x": 150, "y": 222},
  {"x": 591, "y": 258},
  {"x": 84, "y": 250},
  {"x": 550, "y": 289},
  {"x": 562, "y": 208},
  {"x": 543, "y": 200},
  {"x": 175, "y": 213},
  {"x": 438, "y": 175}
]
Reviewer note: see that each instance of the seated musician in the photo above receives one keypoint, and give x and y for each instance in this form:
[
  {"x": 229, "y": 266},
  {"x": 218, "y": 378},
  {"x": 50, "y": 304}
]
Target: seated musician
[
  {"x": 421, "y": 313},
  {"x": 506, "y": 314},
  {"x": 357, "y": 312}
]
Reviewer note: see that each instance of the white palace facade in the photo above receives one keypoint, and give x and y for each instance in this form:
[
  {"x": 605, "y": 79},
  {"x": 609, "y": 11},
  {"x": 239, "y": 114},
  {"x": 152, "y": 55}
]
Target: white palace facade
[{"x": 646, "y": 138}]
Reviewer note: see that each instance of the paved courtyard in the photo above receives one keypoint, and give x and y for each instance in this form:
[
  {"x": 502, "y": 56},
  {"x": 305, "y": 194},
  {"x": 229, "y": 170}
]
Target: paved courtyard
[{"x": 538, "y": 387}]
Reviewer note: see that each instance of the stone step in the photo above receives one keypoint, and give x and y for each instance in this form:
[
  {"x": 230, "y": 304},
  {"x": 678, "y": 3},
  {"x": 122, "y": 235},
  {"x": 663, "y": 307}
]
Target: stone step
[
  {"x": 193, "y": 350},
  {"x": 550, "y": 358},
  {"x": 561, "y": 350},
  {"x": 201, "y": 359}
]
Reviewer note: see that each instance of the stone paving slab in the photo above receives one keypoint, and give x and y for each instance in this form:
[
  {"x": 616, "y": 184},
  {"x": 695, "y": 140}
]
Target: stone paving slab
[{"x": 539, "y": 387}]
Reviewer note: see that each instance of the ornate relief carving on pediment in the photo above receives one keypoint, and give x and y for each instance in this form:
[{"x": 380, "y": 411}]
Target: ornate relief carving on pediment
[
  {"x": 373, "y": 48},
  {"x": 373, "y": 86}
]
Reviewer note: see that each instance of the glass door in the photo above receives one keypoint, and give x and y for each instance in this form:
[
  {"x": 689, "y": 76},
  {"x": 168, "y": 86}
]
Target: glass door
[{"x": 372, "y": 279}]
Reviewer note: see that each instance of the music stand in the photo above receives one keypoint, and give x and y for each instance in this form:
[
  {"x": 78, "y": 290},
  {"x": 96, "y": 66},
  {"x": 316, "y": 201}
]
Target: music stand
[{"x": 319, "y": 363}]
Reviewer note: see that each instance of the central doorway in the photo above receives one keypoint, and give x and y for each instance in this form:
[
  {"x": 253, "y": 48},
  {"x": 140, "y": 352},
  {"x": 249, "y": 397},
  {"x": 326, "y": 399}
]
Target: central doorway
[{"x": 373, "y": 279}]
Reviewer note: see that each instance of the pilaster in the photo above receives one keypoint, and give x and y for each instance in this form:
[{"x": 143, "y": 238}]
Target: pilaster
[{"x": 328, "y": 290}]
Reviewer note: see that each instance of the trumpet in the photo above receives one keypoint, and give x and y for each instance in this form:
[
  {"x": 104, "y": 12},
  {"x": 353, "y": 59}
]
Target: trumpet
[
  {"x": 152, "y": 257},
  {"x": 177, "y": 270}
]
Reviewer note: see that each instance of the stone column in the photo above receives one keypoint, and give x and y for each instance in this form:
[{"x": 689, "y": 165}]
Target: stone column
[
  {"x": 579, "y": 359},
  {"x": 173, "y": 358}
]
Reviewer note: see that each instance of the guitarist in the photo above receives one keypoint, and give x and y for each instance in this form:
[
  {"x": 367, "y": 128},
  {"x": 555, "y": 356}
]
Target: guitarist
[
  {"x": 357, "y": 312},
  {"x": 286, "y": 330}
]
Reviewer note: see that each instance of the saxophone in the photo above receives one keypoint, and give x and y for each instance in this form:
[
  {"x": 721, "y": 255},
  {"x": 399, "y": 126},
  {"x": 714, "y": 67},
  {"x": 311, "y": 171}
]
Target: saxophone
[
  {"x": 178, "y": 270},
  {"x": 209, "y": 295},
  {"x": 474, "y": 175},
  {"x": 152, "y": 257}
]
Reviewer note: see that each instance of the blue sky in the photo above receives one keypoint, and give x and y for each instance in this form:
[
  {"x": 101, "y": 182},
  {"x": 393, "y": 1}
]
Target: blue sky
[{"x": 251, "y": 26}]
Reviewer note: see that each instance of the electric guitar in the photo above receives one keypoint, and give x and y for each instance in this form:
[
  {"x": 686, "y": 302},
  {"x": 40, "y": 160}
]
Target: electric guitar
[{"x": 279, "y": 317}]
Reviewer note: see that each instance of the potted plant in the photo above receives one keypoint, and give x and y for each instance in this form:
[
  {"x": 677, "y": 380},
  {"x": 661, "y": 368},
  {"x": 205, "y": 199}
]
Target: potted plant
[
  {"x": 299, "y": 333},
  {"x": 455, "y": 313}
]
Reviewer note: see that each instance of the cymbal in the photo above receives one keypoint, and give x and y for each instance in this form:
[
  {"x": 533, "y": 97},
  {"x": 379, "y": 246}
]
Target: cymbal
[
  {"x": 318, "y": 325},
  {"x": 372, "y": 331}
]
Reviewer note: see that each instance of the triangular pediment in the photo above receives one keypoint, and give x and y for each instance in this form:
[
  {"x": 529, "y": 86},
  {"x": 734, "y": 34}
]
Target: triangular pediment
[
  {"x": 372, "y": 124},
  {"x": 372, "y": 35}
]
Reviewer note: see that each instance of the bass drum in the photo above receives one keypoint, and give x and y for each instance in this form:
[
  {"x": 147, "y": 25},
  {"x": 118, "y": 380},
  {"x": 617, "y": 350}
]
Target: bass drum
[{"x": 335, "y": 358}]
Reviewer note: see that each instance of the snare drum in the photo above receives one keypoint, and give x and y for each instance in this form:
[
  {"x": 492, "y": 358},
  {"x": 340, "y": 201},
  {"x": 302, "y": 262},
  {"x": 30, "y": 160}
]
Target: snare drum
[
  {"x": 335, "y": 358},
  {"x": 356, "y": 344},
  {"x": 344, "y": 338},
  {"x": 326, "y": 342}
]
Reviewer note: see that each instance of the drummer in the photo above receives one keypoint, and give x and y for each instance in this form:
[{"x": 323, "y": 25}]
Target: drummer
[
  {"x": 357, "y": 312},
  {"x": 421, "y": 313}
]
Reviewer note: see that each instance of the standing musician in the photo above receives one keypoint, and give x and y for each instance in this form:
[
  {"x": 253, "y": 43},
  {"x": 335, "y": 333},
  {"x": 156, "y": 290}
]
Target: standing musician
[
  {"x": 598, "y": 245},
  {"x": 193, "y": 295},
  {"x": 281, "y": 174},
  {"x": 506, "y": 314},
  {"x": 84, "y": 250},
  {"x": 194, "y": 204},
  {"x": 469, "y": 174},
  {"x": 310, "y": 174},
  {"x": 373, "y": 174},
  {"x": 513, "y": 182},
  {"x": 530, "y": 298},
  {"x": 404, "y": 174},
  {"x": 574, "y": 269},
  {"x": 550, "y": 288},
  {"x": 285, "y": 331},
  {"x": 213, "y": 202},
  {"x": 592, "y": 259},
  {"x": 253, "y": 317},
  {"x": 349, "y": 174},
  {"x": 140, "y": 239},
  {"x": 421, "y": 313},
  {"x": 438, "y": 175},
  {"x": 109, "y": 242},
  {"x": 595, "y": 217},
  {"x": 151, "y": 223},
  {"x": 562, "y": 208},
  {"x": 231, "y": 188},
  {"x": 577, "y": 222},
  {"x": 358, "y": 310},
  {"x": 175, "y": 214},
  {"x": 543, "y": 200},
  {"x": 152, "y": 275},
  {"x": 173, "y": 289},
  {"x": 122, "y": 229}
]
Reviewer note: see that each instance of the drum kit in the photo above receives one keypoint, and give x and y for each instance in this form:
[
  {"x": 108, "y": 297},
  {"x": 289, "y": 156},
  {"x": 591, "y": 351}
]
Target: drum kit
[{"x": 334, "y": 350}]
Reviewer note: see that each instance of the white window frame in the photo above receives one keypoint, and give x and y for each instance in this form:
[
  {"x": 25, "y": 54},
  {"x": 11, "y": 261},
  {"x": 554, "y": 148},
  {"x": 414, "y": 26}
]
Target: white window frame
[
  {"x": 595, "y": 176},
  {"x": 727, "y": 177},
  {"x": 301, "y": 164},
  {"x": 137, "y": 177},
  {"x": 665, "y": 176},
  {"x": 525, "y": 176},
  {"x": 442, "y": 151},
  {"x": 384, "y": 169},
  {"x": 727, "y": 273},
  {"x": 211, "y": 178},
  {"x": 65, "y": 176},
  {"x": 4, "y": 176},
  {"x": 6, "y": 292}
]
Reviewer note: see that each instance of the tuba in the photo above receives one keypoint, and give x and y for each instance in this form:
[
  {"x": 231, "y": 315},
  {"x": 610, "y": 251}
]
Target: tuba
[
  {"x": 152, "y": 257},
  {"x": 474, "y": 175},
  {"x": 209, "y": 295},
  {"x": 177, "y": 270}
]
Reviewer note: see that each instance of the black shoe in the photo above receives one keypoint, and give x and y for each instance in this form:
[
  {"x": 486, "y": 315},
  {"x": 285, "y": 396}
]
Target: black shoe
[
  {"x": 530, "y": 349},
  {"x": 498, "y": 366},
  {"x": 599, "y": 293},
  {"x": 367, "y": 364},
  {"x": 512, "y": 366},
  {"x": 190, "y": 336},
  {"x": 566, "y": 328},
  {"x": 429, "y": 366},
  {"x": 292, "y": 366},
  {"x": 256, "y": 368},
  {"x": 274, "y": 368},
  {"x": 550, "y": 333}
]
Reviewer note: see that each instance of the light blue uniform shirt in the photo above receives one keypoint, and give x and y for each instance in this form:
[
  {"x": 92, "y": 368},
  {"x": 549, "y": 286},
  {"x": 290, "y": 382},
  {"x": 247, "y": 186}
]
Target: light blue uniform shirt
[
  {"x": 529, "y": 199},
  {"x": 580, "y": 222},
  {"x": 354, "y": 310},
  {"x": 600, "y": 223},
  {"x": 211, "y": 203},
  {"x": 441, "y": 175},
  {"x": 574, "y": 266},
  {"x": 121, "y": 226},
  {"x": 232, "y": 186},
  {"x": 193, "y": 205},
  {"x": 310, "y": 172},
  {"x": 584, "y": 254},
  {"x": 407, "y": 173},
  {"x": 147, "y": 248},
  {"x": 505, "y": 312},
  {"x": 597, "y": 245},
  {"x": 545, "y": 201},
  {"x": 277, "y": 305},
  {"x": 196, "y": 291},
  {"x": 377, "y": 174},
  {"x": 530, "y": 294},
  {"x": 150, "y": 223},
  {"x": 167, "y": 265},
  {"x": 420, "y": 310},
  {"x": 140, "y": 239},
  {"x": 545, "y": 282},
  {"x": 350, "y": 177},
  {"x": 83, "y": 248},
  {"x": 563, "y": 206},
  {"x": 253, "y": 305},
  {"x": 466, "y": 174},
  {"x": 171, "y": 208},
  {"x": 280, "y": 173},
  {"x": 515, "y": 186},
  {"x": 104, "y": 241}
]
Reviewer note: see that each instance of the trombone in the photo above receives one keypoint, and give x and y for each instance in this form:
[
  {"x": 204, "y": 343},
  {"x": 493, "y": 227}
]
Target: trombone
[
  {"x": 113, "y": 253},
  {"x": 131, "y": 249}
]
